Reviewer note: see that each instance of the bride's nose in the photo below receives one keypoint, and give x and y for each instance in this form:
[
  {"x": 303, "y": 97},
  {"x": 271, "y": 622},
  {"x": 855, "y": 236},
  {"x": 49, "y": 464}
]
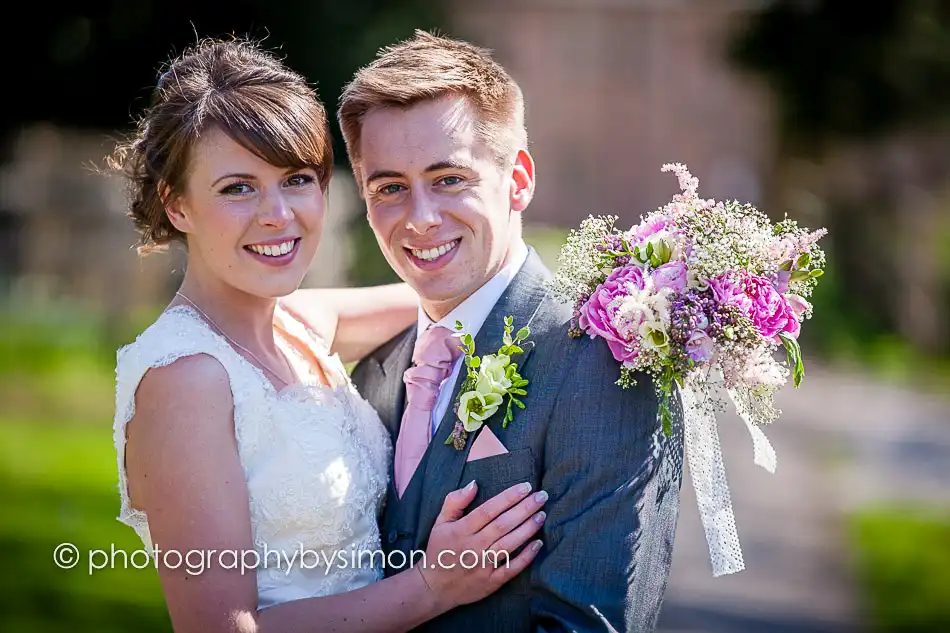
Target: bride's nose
[{"x": 275, "y": 211}]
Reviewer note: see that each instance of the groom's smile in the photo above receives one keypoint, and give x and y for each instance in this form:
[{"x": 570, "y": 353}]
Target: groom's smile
[
  {"x": 431, "y": 257},
  {"x": 437, "y": 198}
]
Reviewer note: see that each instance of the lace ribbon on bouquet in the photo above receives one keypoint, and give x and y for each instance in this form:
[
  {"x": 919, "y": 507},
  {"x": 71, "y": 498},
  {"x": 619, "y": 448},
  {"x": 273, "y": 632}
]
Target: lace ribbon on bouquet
[{"x": 708, "y": 473}]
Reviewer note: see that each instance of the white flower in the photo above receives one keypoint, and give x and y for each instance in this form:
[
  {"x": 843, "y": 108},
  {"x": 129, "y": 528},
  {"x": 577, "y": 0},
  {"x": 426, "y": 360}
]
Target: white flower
[
  {"x": 761, "y": 368},
  {"x": 693, "y": 280},
  {"x": 476, "y": 407},
  {"x": 654, "y": 337},
  {"x": 491, "y": 375}
]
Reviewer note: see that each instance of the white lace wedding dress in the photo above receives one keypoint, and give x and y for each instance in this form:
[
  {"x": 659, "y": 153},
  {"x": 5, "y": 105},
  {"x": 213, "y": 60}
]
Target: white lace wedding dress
[{"x": 315, "y": 458}]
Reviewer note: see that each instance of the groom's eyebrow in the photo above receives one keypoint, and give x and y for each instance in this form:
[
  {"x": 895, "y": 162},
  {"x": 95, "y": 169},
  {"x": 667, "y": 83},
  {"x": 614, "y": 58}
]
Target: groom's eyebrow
[
  {"x": 439, "y": 166},
  {"x": 446, "y": 164},
  {"x": 376, "y": 175}
]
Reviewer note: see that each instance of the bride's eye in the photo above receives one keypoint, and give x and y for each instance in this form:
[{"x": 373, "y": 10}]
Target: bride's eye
[
  {"x": 300, "y": 180},
  {"x": 237, "y": 188}
]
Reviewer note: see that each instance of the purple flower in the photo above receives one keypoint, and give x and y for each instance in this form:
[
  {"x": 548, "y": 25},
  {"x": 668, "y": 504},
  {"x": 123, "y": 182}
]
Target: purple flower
[
  {"x": 671, "y": 275},
  {"x": 596, "y": 316},
  {"x": 770, "y": 311},
  {"x": 781, "y": 281},
  {"x": 699, "y": 346}
]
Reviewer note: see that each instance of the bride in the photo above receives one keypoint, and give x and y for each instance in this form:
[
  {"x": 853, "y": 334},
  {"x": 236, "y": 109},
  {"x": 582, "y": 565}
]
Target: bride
[{"x": 238, "y": 433}]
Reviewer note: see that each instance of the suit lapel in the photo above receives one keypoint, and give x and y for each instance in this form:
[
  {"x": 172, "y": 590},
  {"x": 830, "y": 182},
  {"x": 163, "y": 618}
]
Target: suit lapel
[
  {"x": 393, "y": 392},
  {"x": 445, "y": 464},
  {"x": 393, "y": 387}
]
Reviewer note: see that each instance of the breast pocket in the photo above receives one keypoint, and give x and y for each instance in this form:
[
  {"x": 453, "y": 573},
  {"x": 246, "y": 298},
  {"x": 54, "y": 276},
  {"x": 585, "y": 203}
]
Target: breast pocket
[{"x": 497, "y": 473}]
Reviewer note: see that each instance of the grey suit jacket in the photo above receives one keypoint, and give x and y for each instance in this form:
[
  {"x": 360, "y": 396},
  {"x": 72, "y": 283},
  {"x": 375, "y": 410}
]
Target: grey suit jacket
[{"x": 598, "y": 450}]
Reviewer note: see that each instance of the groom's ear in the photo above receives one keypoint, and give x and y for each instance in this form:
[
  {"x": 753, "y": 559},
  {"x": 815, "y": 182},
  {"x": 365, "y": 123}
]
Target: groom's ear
[{"x": 522, "y": 181}]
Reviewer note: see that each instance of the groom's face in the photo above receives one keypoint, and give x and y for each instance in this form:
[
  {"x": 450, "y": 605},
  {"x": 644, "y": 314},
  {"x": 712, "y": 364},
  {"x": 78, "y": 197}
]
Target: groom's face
[{"x": 444, "y": 212}]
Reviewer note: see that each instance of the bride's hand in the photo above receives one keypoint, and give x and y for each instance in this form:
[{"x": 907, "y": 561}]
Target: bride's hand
[{"x": 500, "y": 525}]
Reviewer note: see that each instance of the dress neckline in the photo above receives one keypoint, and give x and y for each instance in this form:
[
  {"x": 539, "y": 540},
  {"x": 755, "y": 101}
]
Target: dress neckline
[{"x": 333, "y": 385}]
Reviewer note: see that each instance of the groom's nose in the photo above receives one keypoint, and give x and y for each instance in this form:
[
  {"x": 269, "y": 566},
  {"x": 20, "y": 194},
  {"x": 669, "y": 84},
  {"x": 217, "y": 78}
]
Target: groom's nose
[{"x": 424, "y": 214}]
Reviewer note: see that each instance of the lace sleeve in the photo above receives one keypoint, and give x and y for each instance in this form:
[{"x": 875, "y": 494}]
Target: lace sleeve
[{"x": 178, "y": 333}]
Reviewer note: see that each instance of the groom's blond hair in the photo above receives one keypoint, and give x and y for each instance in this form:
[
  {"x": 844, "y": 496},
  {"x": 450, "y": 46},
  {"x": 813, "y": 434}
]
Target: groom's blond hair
[{"x": 428, "y": 67}]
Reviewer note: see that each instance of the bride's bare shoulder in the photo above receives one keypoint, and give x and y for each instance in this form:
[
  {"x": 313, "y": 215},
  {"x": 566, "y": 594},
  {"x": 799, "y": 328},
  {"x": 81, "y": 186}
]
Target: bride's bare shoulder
[
  {"x": 180, "y": 408},
  {"x": 189, "y": 380}
]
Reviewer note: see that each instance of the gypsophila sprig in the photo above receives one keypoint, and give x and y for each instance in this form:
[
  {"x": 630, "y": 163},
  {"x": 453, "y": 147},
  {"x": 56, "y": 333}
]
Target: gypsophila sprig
[{"x": 489, "y": 380}]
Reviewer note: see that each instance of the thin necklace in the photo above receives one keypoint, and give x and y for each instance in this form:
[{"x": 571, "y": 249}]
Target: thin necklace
[{"x": 231, "y": 340}]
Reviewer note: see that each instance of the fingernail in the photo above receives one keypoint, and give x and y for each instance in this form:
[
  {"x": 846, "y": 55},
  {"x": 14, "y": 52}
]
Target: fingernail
[
  {"x": 539, "y": 517},
  {"x": 525, "y": 488},
  {"x": 536, "y": 546},
  {"x": 541, "y": 497},
  {"x": 470, "y": 485}
]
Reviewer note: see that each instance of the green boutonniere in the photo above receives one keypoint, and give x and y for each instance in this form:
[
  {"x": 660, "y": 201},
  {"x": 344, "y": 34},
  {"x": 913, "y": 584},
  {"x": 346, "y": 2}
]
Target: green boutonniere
[{"x": 489, "y": 380}]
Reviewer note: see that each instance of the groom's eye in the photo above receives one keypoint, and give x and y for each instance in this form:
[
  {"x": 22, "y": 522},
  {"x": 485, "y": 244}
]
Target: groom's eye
[
  {"x": 450, "y": 180},
  {"x": 390, "y": 189}
]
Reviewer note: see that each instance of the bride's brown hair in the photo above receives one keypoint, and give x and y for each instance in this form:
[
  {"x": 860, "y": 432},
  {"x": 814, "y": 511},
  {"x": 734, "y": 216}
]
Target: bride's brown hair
[{"x": 243, "y": 90}]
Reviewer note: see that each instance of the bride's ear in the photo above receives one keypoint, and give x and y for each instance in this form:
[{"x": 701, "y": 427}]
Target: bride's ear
[
  {"x": 174, "y": 210},
  {"x": 522, "y": 181}
]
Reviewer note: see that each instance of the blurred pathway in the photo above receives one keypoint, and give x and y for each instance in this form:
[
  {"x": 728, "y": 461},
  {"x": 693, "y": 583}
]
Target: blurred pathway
[{"x": 843, "y": 442}]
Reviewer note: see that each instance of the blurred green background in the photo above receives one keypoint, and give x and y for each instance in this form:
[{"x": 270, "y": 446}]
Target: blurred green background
[{"x": 833, "y": 112}]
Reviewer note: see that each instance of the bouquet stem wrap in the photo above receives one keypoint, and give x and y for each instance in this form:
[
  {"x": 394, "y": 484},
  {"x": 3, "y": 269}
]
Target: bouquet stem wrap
[{"x": 704, "y": 455}]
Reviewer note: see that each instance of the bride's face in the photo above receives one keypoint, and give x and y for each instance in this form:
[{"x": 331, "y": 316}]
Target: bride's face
[{"x": 249, "y": 224}]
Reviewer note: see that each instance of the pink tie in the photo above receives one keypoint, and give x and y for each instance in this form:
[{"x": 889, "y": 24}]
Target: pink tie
[{"x": 433, "y": 359}]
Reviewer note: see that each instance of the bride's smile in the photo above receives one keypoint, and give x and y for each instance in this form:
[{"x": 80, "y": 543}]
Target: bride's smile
[{"x": 249, "y": 223}]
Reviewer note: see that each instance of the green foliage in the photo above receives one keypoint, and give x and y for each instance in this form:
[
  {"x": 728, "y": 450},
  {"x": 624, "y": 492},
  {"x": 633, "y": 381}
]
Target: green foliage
[
  {"x": 793, "y": 353},
  {"x": 903, "y": 565},
  {"x": 58, "y": 481}
]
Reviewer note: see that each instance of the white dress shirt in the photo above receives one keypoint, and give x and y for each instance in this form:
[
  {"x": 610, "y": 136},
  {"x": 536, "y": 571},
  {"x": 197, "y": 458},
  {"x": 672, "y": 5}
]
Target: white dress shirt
[{"x": 472, "y": 313}]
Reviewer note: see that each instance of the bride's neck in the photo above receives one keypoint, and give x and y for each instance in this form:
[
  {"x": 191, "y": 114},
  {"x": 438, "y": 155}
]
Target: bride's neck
[{"x": 246, "y": 318}]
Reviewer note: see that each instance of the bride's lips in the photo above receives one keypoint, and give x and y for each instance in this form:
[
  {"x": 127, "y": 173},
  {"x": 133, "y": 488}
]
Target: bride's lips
[
  {"x": 274, "y": 260},
  {"x": 433, "y": 256}
]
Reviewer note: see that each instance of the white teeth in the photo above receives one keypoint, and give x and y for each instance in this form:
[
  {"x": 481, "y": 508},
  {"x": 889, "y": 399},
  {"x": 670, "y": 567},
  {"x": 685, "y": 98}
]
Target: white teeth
[
  {"x": 275, "y": 250},
  {"x": 433, "y": 253}
]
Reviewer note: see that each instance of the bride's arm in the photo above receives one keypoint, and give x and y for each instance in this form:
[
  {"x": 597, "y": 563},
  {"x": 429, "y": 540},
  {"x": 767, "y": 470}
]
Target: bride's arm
[
  {"x": 184, "y": 471},
  {"x": 355, "y": 320}
]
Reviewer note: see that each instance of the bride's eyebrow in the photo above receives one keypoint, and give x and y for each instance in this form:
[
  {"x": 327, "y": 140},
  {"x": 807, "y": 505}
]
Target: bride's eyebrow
[{"x": 242, "y": 176}]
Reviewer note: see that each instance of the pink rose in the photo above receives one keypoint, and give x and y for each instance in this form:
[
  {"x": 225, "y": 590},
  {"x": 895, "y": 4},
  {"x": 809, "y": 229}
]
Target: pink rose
[
  {"x": 798, "y": 304},
  {"x": 645, "y": 229},
  {"x": 770, "y": 311},
  {"x": 671, "y": 275},
  {"x": 596, "y": 316},
  {"x": 729, "y": 290}
]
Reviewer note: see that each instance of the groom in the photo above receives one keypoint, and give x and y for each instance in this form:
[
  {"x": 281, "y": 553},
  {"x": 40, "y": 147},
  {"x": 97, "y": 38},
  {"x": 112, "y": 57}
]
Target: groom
[{"x": 435, "y": 133}]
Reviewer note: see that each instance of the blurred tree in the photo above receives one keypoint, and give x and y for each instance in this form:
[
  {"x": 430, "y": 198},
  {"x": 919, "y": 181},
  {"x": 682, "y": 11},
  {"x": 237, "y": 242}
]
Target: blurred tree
[
  {"x": 863, "y": 91},
  {"x": 92, "y": 65}
]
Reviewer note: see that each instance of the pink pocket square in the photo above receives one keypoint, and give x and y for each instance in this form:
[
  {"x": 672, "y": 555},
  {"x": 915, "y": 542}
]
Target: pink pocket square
[{"x": 486, "y": 445}]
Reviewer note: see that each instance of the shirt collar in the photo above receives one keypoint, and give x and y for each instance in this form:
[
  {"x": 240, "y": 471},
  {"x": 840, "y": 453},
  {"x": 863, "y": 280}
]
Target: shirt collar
[{"x": 474, "y": 311}]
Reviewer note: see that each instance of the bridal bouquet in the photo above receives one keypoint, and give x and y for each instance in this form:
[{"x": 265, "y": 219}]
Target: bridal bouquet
[{"x": 699, "y": 294}]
